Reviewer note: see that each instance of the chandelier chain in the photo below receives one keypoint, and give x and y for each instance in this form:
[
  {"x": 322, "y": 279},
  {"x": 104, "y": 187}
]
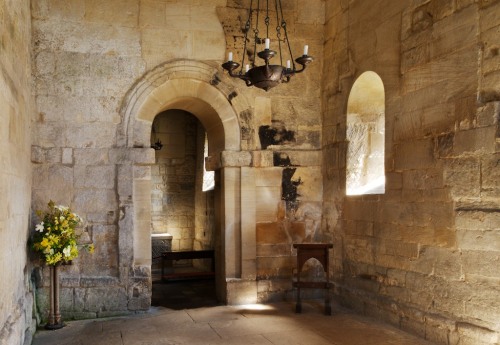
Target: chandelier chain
[
  {"x": 248, "y": 26},
  {"x": 283, "y": 25},
  {"x": 278, "y": 29}
]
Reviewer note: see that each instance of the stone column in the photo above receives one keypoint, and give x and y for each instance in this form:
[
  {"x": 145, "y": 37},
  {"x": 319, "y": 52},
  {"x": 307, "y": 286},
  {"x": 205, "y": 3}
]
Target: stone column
[
  {"x": 134, "y": 192},
  {"x": 239, "y": 242},
  {"x": 248, "y": 224},
  {"x": 231, "y": 223}
]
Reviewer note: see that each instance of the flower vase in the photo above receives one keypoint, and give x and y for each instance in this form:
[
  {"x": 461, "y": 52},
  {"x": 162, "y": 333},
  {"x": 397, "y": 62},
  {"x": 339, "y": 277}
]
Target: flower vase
[{"x": 55, "y": 321}]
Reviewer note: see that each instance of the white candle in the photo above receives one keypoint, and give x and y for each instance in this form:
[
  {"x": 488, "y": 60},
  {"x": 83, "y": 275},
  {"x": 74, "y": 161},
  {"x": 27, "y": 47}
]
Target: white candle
[
  {"x": 230, "y": 56},
  {"x": 306, "y": 49},
  {"x": 267, "y": 41},
  {"x": 247, "y": 68},
  {"x": 288, "y": 64}
]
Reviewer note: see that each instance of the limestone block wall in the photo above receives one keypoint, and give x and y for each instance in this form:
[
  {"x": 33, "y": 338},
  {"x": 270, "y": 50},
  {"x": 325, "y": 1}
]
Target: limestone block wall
[
  {"x": 16, "y": 104},
  {"x": 205, "y": 229},
  {"x": 93, "y": 66},
  {"x": 282, "y": 188},
  {"x": 423, "y": 255},
  {"x": 173, "y": 178},
  {"x": 86, "y": 56}
]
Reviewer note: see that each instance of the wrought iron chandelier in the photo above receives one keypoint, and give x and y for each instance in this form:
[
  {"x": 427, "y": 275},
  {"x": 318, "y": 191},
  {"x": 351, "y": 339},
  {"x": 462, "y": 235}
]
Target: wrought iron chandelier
[{"x": 266, "y": 76}]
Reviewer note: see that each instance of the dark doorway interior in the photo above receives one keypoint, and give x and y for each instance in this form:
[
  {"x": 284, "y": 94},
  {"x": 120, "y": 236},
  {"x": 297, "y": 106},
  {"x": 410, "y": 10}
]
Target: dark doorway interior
[
  {"x": 184, "y": 294},
  {"x": 182, "y": 210}
]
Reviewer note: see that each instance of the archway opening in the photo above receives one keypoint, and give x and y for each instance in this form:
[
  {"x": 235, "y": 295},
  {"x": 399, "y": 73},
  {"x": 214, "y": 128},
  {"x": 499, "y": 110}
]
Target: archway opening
[
  {"x": 366, "y": 136},
  {"x": 182, "y": 212},
  {"x": 184, "y": 85}
]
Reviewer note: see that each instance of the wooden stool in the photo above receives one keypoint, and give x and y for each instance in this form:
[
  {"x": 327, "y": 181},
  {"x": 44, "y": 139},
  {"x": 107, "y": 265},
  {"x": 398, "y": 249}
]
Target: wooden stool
[{"x": 319, "y": 251}]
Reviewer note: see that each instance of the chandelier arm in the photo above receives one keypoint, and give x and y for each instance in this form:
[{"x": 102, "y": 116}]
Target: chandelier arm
[
  {"x": 304, "y": 60},
  {"x": 300, "y": 70},
  {"x": 239, "y": 76},
  {"x": 287, "y": 78},
  {"x": 287, "y": 74}
]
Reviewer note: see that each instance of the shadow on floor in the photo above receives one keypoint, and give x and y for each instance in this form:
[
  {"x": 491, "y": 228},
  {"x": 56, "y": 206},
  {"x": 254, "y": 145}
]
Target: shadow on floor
[{"x": 184, "y": 294}]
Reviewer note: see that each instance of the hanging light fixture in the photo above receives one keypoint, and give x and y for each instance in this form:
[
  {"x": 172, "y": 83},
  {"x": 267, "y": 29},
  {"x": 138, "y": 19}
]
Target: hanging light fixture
[
  {"x": 157, "y": 145},
  {"x": 266, "y": 76}
]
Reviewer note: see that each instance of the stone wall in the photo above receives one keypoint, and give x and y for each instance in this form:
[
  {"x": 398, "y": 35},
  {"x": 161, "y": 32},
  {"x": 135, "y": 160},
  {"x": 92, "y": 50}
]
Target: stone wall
[
  {"x": 204, "y": 217},
  {"x": 205, "y": 230},
  {"x": 87, "y": 55},
  {"x": 424, "y": 255},
  {"x": 173, "y": 178},
  {"x": 282, "y": 187},
  {"x": 16, "y": 290},
  {"x": 102, "y": 72}
]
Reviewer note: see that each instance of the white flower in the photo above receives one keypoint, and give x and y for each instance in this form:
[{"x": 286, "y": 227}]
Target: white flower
[
  {"x": 62, "y": 208},
  {"x": 67, "y": 251},
  {"x": 39, "y": 227}
]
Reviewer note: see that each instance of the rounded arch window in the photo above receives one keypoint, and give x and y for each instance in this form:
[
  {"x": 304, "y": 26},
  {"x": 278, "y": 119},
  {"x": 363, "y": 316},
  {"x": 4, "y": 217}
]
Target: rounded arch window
[{"x": 366, "y": 136}]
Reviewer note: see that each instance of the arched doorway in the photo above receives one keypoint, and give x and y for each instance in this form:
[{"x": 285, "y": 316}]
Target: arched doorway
[
  {"x": 182, "y": 212},
  {"x": 185, "y": 86}
]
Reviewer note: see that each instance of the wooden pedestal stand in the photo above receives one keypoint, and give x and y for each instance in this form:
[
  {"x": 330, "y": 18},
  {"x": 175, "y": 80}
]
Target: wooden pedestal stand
[{"x": 55, "y": 321}]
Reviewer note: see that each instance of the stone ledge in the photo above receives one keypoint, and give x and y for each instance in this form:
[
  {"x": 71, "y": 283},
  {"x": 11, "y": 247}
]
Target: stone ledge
[
  {"x": 235, "y": 159},
  {"x": 264, "y": 158},
  {"x": 99, "y": 281}
]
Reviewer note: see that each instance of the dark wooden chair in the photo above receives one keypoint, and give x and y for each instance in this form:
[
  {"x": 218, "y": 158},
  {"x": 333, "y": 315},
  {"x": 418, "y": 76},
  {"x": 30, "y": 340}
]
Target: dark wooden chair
[{"x": 318, "y": 251}]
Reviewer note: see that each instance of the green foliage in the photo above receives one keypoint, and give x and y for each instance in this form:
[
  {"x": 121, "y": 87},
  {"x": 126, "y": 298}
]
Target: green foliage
[{"x": 55, "y": 238}]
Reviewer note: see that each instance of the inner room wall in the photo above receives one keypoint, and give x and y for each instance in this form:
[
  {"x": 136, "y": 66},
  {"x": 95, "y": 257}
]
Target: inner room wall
[
  {"x": 205, "y": 229},
  {"x": 173, "y": 177}
]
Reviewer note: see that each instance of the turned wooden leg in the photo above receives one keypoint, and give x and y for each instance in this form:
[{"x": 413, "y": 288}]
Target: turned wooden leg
[{"x": 298, "y": 306}]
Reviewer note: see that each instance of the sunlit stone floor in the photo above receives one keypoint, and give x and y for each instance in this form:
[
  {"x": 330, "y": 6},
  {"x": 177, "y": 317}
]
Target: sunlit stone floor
[{"x": 178, "y": 324}]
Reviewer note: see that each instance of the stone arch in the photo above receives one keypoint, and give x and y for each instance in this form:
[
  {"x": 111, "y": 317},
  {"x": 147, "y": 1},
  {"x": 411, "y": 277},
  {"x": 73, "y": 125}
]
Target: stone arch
[
  {"x": 366, "y": 136},
  {"x": 197, "y": 88},
  {"x": 185, "y": 85}
]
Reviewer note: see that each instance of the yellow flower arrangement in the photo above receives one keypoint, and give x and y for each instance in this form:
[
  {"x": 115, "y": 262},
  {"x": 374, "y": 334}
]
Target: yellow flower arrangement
[{"x": 55, "y": 238}]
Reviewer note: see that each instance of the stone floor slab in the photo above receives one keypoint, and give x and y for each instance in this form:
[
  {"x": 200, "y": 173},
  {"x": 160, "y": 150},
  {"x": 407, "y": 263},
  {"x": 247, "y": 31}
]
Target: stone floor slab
[{"x": 273, "y": 324}]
